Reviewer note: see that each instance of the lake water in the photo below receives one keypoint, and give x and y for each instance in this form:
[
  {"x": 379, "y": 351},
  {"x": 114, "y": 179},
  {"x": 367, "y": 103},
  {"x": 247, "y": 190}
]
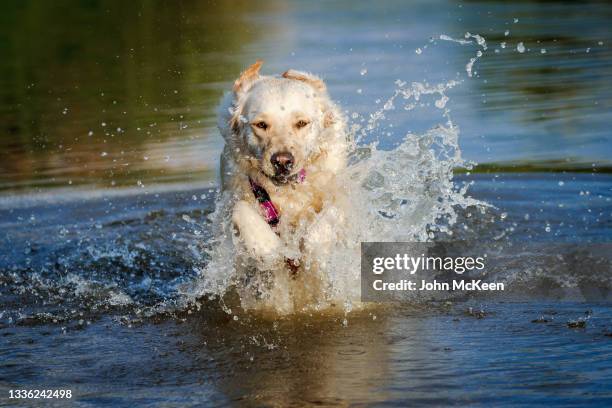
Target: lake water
[
  {"x": 112, "y": 92},
  {"x": 108, "y": 157}
]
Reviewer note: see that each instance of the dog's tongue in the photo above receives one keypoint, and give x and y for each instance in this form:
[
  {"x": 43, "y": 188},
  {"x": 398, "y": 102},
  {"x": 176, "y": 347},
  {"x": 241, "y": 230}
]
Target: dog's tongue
[{"x": 301, "y": 176}]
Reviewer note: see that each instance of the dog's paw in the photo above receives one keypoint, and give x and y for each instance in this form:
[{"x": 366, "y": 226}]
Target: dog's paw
[{"x": 255, "y": 233}]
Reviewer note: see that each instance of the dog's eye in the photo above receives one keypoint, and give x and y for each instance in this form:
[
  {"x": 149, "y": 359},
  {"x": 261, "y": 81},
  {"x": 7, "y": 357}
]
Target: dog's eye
[
  {"x": 262, "y": 125},
  {"x": 301, "y": 124}
]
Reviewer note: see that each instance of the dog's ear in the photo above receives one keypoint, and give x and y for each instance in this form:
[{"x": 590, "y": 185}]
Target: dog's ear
[
  {"x": 248, "y": 76},
  {"x": 313, "y": 80},
  {"x": 330, "y": 118}
]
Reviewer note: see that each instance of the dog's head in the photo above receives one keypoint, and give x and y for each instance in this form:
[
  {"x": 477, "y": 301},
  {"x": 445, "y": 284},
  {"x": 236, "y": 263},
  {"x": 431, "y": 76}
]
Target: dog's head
[{"x": 278, "y": 122}]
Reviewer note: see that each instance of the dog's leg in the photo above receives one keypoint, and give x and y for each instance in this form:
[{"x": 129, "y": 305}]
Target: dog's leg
[
  {"x": 259, "y": 239},
  {"x": 323, "y": 234}
]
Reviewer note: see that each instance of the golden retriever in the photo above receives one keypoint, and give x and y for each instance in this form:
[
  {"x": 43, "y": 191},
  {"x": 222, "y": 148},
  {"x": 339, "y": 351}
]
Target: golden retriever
[{"x": 285, "y": 142}]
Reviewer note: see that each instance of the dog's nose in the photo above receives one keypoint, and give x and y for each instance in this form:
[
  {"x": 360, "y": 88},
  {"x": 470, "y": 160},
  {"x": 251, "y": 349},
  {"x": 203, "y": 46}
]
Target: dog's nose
[{"x": 282, "y": 162}]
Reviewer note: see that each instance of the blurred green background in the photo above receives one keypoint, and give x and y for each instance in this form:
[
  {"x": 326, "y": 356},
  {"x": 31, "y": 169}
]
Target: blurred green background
[{"x": 115, "y": 93}]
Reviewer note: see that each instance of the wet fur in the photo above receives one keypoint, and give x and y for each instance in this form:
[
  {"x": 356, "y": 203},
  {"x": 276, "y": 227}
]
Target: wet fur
[{"x": 312, "y": 208}]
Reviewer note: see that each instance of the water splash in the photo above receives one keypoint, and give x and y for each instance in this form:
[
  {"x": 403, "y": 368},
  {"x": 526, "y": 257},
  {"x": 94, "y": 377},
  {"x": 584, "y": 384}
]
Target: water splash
[
  {"x": 163, "y": 262},
  {"x": 469, "y": 39},
  {"x": 403, "y": 194}
]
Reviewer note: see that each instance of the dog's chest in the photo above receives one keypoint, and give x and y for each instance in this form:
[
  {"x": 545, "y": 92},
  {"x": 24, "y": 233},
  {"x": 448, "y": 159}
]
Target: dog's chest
[{"x": 297, "y": 202}]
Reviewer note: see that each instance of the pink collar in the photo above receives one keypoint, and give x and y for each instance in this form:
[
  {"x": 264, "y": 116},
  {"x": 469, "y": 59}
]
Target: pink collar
[{"x": 268, "y": 208}]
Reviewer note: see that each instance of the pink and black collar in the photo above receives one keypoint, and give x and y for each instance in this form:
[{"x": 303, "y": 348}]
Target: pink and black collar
[{"x": 268, "y": 208}]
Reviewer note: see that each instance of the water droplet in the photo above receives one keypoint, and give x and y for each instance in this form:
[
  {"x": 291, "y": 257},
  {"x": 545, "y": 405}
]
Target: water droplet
[
  {"x": 418, "y": 51},
  {"x": 441, "y": 103},
  {"x": 520, "y": 47},
  {"x": 516, "y": 20},
  {"x": 103, "y": 154},
  {"x": 363, "y": 72},
  {"x": 543, "y": 51},
  {"x": 359, "y": 91},
  {"x": 561, "y": 184},
  {"x": 506, "y": 33}
]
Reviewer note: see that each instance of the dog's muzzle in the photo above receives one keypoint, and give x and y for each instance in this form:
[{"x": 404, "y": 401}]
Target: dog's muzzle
[{"x": 282, "y": 162}]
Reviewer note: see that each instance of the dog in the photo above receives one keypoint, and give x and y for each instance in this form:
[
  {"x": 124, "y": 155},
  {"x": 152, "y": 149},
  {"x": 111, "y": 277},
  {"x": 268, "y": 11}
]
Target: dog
[{"x": 285, "y": 144}]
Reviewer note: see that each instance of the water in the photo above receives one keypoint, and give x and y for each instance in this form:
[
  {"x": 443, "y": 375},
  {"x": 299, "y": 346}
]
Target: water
[
  {"x": 158, "y": 72},
  {"x": 88, "y": 318},
  {"x": 399, "y": 358},
  {"x": 108, "y": 180}
]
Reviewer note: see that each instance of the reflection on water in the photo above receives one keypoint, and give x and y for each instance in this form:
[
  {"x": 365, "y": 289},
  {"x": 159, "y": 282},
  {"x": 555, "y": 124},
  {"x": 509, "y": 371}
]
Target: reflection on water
[
  {"x": 554, "y": 96},
  {"x": 304, "y": 360},
  {"x": 117, "y": 93},
  {"x": 400, "y": 357},
  {"x": 114, "y": 92}
]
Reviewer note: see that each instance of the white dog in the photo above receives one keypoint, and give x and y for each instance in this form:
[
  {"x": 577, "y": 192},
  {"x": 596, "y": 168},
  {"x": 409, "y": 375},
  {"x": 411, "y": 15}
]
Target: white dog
[{"x": 285, "y": 142}]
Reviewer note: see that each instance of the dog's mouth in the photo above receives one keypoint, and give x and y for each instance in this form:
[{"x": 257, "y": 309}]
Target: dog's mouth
[
  {"x": 284, "y": 179},
  {"x": 280, "y": 179}
]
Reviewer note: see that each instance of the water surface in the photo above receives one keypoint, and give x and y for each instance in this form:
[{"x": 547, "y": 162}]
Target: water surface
[
  {"x": 108, "y": 156},
  {"x": 113, "y": 93}
]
